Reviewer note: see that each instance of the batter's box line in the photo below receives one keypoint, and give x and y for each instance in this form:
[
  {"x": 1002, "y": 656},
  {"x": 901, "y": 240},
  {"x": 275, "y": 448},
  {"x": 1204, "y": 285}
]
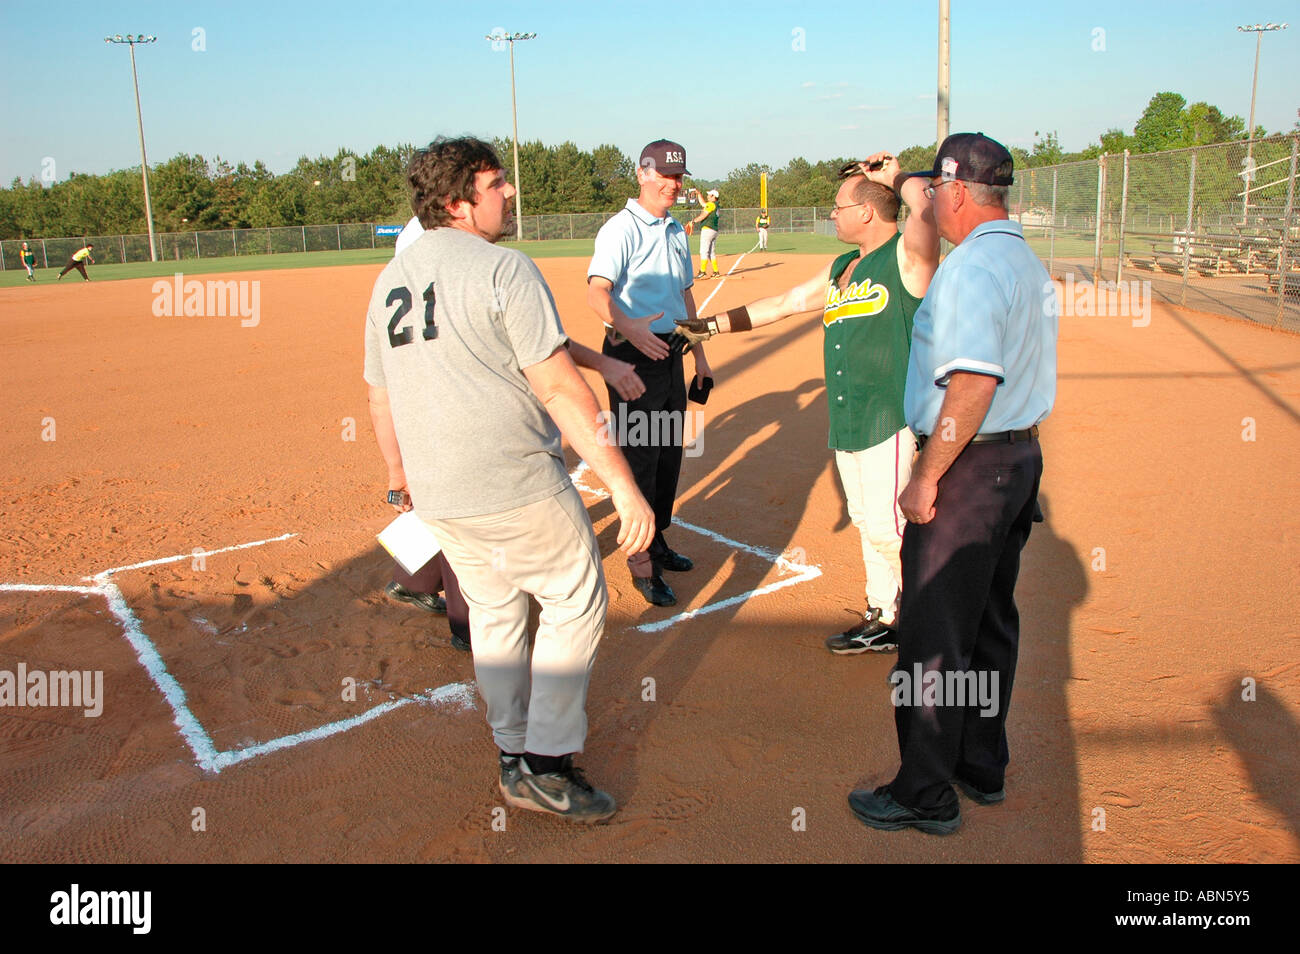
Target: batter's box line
[
  {"x": 206, "y": 754},
  {"x": 803, "y": 573}
]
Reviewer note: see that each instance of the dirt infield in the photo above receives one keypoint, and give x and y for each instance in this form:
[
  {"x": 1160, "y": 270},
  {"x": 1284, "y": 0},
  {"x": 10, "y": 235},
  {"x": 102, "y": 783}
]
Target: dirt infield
[{"x": 1159, "y": 592}]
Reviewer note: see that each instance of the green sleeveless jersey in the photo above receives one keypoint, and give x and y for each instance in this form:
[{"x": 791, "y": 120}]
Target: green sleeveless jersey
[
  {"x": 710, "y": 220},
  {"x": 868, "y": 340}
]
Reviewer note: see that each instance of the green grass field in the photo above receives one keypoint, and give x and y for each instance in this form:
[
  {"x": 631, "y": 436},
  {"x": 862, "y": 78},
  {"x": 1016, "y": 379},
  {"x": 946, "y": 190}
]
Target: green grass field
[{"x": 789, "y": 243}]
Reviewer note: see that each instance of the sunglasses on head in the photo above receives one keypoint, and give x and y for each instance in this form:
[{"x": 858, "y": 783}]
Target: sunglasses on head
[{"x": 858, "y": 167}]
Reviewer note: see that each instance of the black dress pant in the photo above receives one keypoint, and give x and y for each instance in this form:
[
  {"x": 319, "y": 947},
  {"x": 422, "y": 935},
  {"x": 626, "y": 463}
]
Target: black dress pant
[
  {"x": 654, "y": 448},
  {"x": 959, "y": 614},
  {"x": 437, "y": 575}
]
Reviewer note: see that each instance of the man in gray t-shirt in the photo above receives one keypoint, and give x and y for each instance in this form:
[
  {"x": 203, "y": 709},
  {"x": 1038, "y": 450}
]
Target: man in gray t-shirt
[{"x": 471, "y": 388}]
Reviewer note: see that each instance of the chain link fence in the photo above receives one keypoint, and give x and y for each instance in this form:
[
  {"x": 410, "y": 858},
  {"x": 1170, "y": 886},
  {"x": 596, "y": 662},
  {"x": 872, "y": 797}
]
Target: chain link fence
[
  {"x": 1213, "y": 228},
  {"x": 178, "y": 246}
]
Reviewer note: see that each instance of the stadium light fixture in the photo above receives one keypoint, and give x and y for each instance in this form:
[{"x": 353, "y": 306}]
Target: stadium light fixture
[
  {"x": 139, "y": 120},
  {"x": 511, "y": 38},
  {"x": 1259, "y": 29}
]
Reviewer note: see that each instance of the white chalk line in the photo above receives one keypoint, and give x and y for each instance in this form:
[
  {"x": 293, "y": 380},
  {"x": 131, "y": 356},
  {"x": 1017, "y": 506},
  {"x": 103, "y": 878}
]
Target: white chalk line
[
  {"x": 206, "y": 754},
  {"x": 105, "y": 574},
  {"x": 705, "y": 304},
  {"x": 803, "y": 572}
]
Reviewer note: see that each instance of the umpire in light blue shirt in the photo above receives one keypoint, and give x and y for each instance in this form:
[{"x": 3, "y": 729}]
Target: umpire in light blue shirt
[
  {"x": 639, "y": 284},
  {"x": 982, "y": 376}
]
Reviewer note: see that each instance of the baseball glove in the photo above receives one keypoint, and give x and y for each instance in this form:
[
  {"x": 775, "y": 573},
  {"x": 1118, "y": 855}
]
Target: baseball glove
[
  {"x": 694, "y": 330},
  {"x": 690, "y": 228}
]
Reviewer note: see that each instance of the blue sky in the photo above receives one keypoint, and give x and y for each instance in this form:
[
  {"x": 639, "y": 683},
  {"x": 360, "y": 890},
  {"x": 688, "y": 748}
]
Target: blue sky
[{"x": 727, "y": 79}]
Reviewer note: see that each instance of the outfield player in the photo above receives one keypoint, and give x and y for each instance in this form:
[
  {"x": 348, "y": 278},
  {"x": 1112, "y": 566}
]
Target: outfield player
[
  {"x": 761, "y": 223},
  {"x": 638, "y": 284},
  {"x": 982, "y": 375},
  {"x": 867, "y": 298},
  {"x": 29, "y": 262},
  {"x": 471, "y": 386},
  {"x": 78, "y": 261},
  {"x": 707, "y": 220}
]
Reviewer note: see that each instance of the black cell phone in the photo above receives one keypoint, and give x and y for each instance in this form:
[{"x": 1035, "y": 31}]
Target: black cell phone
[
  {"x": 399, "y": 498},
  {"x": 700, "y": 394}
]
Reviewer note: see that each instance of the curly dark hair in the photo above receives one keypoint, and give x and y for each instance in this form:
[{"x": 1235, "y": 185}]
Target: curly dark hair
[{"x": 443, "y": 172}]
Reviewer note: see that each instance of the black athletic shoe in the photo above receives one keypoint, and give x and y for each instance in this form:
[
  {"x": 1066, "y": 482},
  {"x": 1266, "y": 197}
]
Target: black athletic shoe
[
  {"x": 870, "y": 635},
  {"x": 655, "y": 590},
  {"x": 565, "y": 793},
  {"x": 429, "y": 602},
  {"x": 977, "y": 796},
  {"x": 879, "y": 810}
]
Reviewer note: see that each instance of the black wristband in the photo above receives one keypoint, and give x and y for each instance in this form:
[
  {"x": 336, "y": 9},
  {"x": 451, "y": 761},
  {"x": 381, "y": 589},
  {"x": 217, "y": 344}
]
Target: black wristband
[
  {"x": 898, "y": 182},
  {"x": 738, "y": 319}
]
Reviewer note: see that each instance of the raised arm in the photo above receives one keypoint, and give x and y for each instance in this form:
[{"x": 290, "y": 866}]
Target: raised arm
[{"x": 918, "y": 255}]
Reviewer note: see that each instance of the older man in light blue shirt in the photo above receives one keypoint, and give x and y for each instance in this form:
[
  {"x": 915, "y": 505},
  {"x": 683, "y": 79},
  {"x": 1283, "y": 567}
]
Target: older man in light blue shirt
[
  {"x": 982, "y": 375},
  {"x": 639, "y": 284}
]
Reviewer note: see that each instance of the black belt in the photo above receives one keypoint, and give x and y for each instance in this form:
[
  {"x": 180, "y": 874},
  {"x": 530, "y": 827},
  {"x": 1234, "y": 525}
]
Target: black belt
[{"x": 1001, "y": 437}]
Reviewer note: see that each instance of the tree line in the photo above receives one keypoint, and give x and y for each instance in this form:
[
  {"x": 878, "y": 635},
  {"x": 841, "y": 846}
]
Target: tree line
[{"x": 190, "y": 192}]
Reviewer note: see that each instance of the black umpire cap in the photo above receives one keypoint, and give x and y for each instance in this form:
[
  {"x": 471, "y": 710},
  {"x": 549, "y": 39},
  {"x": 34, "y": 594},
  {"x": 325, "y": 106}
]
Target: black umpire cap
[{"x": 973, "y": 157}]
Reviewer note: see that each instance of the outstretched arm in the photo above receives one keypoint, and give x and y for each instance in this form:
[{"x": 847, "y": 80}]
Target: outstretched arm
[
  {"x": 619, "y": 375},
  {"x": 636, "y": 330},
  {"x": 805, "y": 297}
]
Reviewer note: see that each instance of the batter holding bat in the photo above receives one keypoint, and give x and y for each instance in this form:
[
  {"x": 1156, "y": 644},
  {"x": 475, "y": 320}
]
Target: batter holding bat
[{"x": 867, "y": 298}]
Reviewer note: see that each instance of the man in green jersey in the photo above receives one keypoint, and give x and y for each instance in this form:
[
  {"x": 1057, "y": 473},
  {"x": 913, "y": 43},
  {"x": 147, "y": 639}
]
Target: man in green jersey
[{"x": 867, "y": 298}]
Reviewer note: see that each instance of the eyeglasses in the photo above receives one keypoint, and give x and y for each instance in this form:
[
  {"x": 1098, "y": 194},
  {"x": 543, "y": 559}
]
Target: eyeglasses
[
  {"x": 836, "y": 208},
  {"x": 930, "y": 190}
]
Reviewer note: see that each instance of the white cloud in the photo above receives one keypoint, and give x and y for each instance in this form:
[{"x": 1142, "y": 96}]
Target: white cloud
[
  {"x": 868, "y": 108},
  {"x": 808, "y": 85},
  {"x": 818, "y": 99},
  {"x": 852, "y": 126}
]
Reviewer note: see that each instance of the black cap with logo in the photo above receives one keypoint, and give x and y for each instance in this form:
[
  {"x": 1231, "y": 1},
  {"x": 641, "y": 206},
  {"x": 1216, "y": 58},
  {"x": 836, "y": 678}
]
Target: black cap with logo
[
  {"x": 973, "y": 157},
  {"x": 666, "y": 157}
]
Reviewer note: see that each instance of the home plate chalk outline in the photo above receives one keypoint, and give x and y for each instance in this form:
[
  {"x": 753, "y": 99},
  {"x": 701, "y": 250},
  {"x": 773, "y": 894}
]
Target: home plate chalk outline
[
  {"x": 802, "y": 572},
  {"x": 206, "y": 755},
  {"x": 457, "y": 695}
]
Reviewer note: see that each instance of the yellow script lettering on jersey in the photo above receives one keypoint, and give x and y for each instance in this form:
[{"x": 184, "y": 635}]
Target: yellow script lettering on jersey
[{"x": 859, "y": 300}]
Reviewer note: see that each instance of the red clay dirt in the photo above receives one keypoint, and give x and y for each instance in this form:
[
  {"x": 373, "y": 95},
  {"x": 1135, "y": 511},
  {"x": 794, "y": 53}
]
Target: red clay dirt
[{"x": 1160, "y": 591}]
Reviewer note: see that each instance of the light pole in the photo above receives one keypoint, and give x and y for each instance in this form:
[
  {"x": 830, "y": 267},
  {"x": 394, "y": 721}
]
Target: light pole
[
  {"x": 941, "y": 118},
  {"x": 139, "y": 120},
  {"x": 1259, "y": 29},
  {"x": 510, "y": 38}
]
